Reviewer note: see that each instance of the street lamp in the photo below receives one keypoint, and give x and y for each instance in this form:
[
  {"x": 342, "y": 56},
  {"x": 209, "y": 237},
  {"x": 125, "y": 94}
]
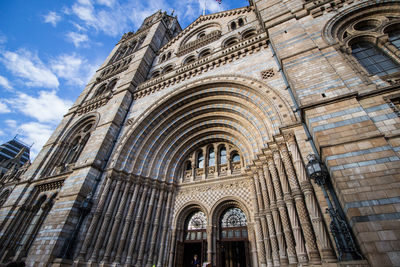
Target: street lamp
[{"x": 344, "y": 240}]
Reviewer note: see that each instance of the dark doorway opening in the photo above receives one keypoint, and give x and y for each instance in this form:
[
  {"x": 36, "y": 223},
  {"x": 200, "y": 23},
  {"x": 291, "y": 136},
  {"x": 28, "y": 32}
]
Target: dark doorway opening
[
  {"x": 192, "y": 249},
  {"x": 233, "y": 254}
]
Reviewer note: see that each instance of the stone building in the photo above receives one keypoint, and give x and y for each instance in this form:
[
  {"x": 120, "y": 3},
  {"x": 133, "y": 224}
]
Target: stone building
[{"x": 195, "y": 141}]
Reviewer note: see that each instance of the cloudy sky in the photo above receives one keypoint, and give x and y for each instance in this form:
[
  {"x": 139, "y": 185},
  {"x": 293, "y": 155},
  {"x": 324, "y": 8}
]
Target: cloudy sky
[{"x": 49, "y": 49}]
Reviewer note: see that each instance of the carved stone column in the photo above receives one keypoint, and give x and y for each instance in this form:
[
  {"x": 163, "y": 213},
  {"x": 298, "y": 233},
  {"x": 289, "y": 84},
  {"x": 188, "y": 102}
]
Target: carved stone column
[
  {"x": 264, "y": 193},
  {"x": 137, "y": 222},
  {"x": 209, "y": 242},
  {"x": 270, "y": 221},
  {"x": 116, "y": 225},
  {"x": 257, "y": 225},
  {"x": 173, "y": 245},
  {"x": 106, "y": 221},
  {"x": 300, "y": 206},
  {"x": 127, "y": 222},
  {"x": 165, "y": 228},
  {"x": 96, "y": 217},
  {"x": 311, "y": 202},
  {"x": 156, "y": 223},
  {"x": 252, "y": 240},
  {"x": 283, "y": 213},
  {"x": 145, "y": 230},
  {"x": 294, "y": 221}
]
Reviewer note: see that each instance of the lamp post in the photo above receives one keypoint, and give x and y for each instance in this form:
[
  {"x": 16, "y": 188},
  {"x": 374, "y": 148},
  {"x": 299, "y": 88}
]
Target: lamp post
[{"x": 345, "y": 244}]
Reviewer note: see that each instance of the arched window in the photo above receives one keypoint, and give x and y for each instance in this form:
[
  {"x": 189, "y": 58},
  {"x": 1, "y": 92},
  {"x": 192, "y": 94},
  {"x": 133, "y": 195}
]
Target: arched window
[
  {"x": 373, "y": 60},
  {"x": 200, "y": 160},
  {"x": 235, "y": 157},
  {"x": 394, "y": 38},
  {"x": 233, "y": 224},
  {"x": 101, "y": 90},
  {"x": 155, "y": 74},
  {"x": 205, "y": 53},
  {"x": 121, "y": 53},
  {"x": 188, "y": 166},
  {"x": 222, "y": 155},
  {"x": 240, "y": 22},
  {"x": 211, "y": 157},
  {"x": 231, "y": 41},
  {"x": 202, "y": 34},
  {"x": 233, "y": 25},
  {"x": 195, "y": 228},
  {"x": 189, "y": 60},
  {"x": 131, "y": 48},
  {"x": 111, "y": 85},
  {"x": 248, "y": 34},
  {"x": 168, "y": 68},
  {"x": 169, "y": 55}
]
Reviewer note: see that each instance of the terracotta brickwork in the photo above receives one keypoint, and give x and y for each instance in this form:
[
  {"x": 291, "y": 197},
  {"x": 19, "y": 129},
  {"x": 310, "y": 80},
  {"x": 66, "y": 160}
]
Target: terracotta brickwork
[{"x": 219, "y": 118}]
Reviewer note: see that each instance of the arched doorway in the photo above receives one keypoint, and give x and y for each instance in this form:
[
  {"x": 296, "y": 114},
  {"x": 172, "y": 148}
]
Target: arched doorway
[
  {"x": 194, "y": 240},
  {"x": 233, "y": 245}
]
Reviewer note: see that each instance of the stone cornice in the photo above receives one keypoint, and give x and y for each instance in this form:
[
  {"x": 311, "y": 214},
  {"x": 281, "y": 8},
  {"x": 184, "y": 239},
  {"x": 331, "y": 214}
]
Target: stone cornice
[{"x": 229, "y": 54}]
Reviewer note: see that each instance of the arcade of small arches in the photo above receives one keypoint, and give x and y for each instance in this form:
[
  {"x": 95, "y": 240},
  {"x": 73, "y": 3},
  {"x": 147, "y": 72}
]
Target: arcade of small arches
[{"x": 212, "y": 161}]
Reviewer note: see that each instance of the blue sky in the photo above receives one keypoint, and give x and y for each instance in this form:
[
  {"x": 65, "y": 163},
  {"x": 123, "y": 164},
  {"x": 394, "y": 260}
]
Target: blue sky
[{"x": 49, "y": 49}]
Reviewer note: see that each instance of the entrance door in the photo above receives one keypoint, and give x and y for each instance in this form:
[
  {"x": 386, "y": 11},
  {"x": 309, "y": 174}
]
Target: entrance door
[
  {"x": 194, "y": 241},
  {"x": 233, "y": 244}
]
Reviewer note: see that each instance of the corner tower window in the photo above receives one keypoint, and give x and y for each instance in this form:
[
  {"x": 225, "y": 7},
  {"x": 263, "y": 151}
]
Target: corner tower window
[{"x": 373, "y": 60}]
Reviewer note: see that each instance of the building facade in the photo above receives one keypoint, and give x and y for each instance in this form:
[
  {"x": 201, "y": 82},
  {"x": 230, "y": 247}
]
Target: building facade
[{"x": 195, "y": 142}]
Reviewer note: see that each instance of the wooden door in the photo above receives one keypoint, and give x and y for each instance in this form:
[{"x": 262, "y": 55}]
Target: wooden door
[{"x": 179, "y": 253}]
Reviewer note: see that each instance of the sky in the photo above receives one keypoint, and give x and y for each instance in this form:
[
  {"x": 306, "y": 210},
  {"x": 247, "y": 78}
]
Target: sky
[{"x": 50, "y": 49}]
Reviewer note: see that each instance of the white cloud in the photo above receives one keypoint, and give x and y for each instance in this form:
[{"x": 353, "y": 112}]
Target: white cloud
[
  {"x": 47, "y": 107},
  {"x": 108, "y": 3},
  {"x": 1, "y": 133},
  {"x": 11, "y": 123},
  {"x": 52, "y": 18},
  {"x": 73, "y": 68},
  {"x": 4, "y": 108},
  {"x": 37, "y": 134},
  {"x": 30, "y": 68},
  {"x": 77, "y": 38},
  {"x": 5, "y": 83}
]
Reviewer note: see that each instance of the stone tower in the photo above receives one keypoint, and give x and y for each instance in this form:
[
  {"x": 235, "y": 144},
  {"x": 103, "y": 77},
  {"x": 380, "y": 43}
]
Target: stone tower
[{"x": 195, "y": 142}]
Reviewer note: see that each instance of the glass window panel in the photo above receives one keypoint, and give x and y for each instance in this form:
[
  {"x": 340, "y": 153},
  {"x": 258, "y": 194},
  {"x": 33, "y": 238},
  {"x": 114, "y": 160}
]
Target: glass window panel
[
  {"x": 204, "y": 235},
  {"x": 244, "y": 233},
  {"x": 192, "y": 235},
  {"x": 236, "y": 157},
  {"x": 200, "y": 160},
  {"x": 199, "y": 234},
  {"x": 224, "y": 234},
  {"x": 376, "y": 62},
  {"x": 211, "y": 157},
  {"x": 237, "y": 233},
  {"x": 222, "y": 155},
  {"x": 230, "y": 233},
  {"x": 394, "y": 38}
]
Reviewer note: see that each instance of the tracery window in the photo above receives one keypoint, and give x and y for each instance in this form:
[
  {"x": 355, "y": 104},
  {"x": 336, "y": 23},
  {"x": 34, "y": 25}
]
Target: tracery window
[
  {"x": 373, "y": 60},
  {"x": 196, "y": 227},
  {"x": 233, "y": 224},
  {"x": 394, "y": 37},
  {"x": 368, "y": 37}
]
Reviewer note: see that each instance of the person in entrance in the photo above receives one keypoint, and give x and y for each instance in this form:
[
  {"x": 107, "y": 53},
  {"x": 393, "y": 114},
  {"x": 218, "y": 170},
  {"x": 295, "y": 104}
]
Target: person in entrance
[{"x": 195, "y": 262}]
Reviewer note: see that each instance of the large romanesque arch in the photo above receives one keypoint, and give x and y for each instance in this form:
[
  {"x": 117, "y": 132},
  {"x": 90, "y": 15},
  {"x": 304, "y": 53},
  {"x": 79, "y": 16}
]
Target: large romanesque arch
[{"x": 239, "y": 110}]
